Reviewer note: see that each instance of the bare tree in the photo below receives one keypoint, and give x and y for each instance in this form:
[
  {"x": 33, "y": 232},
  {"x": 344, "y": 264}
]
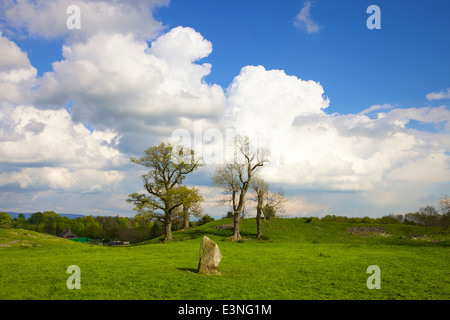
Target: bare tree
[
  {"x": 444, "y": 205},
  {"x": 235, "y": 178},
  {"x": 265, "y": 200},
  {"x": 428, "y": 216}
]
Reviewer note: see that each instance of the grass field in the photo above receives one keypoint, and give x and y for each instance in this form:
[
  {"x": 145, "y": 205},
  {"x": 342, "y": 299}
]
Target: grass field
[{"x": 297, "y": 260}]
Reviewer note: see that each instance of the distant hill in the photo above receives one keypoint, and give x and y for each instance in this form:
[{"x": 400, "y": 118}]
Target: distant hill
[{"x": 27, "y": 215}]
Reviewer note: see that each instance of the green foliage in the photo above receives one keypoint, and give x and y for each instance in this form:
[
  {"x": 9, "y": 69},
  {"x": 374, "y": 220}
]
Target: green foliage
[
  {"x": 205, "y": 219},
  {"x": 167, "y": 167},
  {"x": 36, "y": 218},
  {"x": 269, "y": 212},
  {"x": 52, "y": 222},
  {"x": 133, "y": 230},
  {"x": 229, "y": 215},
  {"x": 5, "y": 220},
  {"x": 427, "y": 216},
  {"x": 388, "y": 220},
  {"x": 20, "y": 222},
  {"x": 157, "y": 229}
]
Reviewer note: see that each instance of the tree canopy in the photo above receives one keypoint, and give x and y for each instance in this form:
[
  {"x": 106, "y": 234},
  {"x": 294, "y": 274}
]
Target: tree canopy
[{"x": 167, "y": 167}]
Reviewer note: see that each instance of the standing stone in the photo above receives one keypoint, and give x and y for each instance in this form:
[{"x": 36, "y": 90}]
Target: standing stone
[{"x": 210, "y": 256}]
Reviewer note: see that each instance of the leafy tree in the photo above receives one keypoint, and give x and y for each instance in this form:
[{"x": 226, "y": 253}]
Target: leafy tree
[
  {"x": 36, "y": 218},
  {"x": 191, "y": 200},
  {"x": 5, "y": 220},
  {"x": 157, "y": 229},
  {"x": 109, "y": 226},
  {"x": 51, "y": 220},
  {"x": 205, "y": 219},
  {"x": 229, "y": 215},
  {"x": 269, "y": 212},
  {"x": 94, "y": 231},
  {"x": 20, "y": 223},
  {"x": 390, "y": 219},
  {"x": 79, "y": 227},
  {"x": 412, "y": 218},
  {"x": 142, "y": 221},
  {"x": 366, "y": 220},
  {"x": 168, "y": 166},
  {"x": 124, "y": 223}
]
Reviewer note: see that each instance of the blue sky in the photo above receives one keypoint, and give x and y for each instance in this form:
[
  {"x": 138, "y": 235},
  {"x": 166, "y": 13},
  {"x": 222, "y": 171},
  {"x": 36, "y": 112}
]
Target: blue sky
[
  {"x": 398, "y": 64},
  {"x": 359, "y": 119}
]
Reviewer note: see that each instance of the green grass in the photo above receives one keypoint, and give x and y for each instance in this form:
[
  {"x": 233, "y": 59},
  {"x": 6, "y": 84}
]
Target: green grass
[{"x": 298, "y": 260}]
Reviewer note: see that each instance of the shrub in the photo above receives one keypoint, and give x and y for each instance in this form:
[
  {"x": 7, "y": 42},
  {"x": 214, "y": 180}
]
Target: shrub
[
  {"x": 229, "y": 215},
  {"x": 269, "y": 212},
  {"x": 5, "y": 220},
  {"x": 387, "y": 220},
  {"x": 367, "y": 220},
  {"x": 205, "y": 219}
]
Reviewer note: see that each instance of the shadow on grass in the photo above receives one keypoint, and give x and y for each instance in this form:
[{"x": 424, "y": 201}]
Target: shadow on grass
[
  {"x": 198, "y": 233},
  {"x": 193, "y": 270}
]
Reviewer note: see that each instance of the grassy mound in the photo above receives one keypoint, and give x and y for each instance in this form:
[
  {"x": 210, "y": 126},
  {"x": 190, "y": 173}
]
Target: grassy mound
[
  {"x": 296, "y": 260},
  {"x": 316, "y": 231}
]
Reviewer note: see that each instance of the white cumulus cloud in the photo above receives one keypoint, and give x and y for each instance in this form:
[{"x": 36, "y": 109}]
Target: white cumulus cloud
[
  {"x": 117, "y": 81},
  {"x": 313, "y": 150},
  {"x": 48, "y": 18},
  {"x": 45, "y": 149},
  {"x": 17, "y": 75}
]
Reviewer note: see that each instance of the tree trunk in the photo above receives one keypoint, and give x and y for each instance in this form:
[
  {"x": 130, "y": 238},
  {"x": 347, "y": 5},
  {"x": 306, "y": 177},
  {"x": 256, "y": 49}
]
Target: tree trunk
[
  {"x": 186, "y": 217},
  {"x": 236, "y": 235},
  {"x": 258, "y": 224},
  {"x": 259, "y": 209},
  {"x": 168, "y": 226},
  {"x": 238, "y": 210}
]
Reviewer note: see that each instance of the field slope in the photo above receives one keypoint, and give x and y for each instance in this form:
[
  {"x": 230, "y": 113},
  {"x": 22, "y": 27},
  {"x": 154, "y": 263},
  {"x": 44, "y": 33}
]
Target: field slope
[{"x": 296, "y": 260}]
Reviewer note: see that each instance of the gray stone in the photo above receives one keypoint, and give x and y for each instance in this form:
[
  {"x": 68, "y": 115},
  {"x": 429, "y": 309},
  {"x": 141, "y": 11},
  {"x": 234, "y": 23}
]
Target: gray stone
[{"x": 210, "y": 256}]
